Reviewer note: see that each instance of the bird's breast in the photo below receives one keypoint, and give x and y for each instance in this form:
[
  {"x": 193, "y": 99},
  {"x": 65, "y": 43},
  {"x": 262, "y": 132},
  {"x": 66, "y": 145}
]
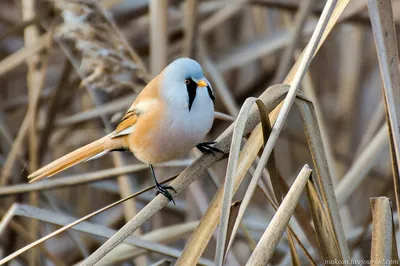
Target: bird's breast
[{"x": 169, "y": 133}]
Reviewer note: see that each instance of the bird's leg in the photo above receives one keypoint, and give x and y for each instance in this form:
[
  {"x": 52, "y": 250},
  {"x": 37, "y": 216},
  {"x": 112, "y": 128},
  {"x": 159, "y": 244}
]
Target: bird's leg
[
  {"x": 160, "y": 188},
  {"x": 206, "y": 147}
]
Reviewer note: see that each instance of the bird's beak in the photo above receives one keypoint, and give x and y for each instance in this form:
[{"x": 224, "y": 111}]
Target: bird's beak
[{"x": 202, "y": 83}]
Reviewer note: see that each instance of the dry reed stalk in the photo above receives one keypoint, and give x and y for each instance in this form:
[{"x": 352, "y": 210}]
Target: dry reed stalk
[
  {"x": 37, "y": 67},
  {"x": 190, "y": 24},
  {"x": 158, "y": 35},
  {"x": 292, "y": 236},
  {"x": 381, "y": 14},
  {"x": 17, "y": 58},
  {"x": 323, "y": 227}
]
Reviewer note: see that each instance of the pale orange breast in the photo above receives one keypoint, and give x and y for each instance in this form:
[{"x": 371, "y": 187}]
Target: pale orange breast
[{"x": 157, "y": 137}]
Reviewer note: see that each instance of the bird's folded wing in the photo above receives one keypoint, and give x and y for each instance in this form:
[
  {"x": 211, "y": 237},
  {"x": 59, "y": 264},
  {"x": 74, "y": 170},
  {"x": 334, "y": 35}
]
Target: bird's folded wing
[{"x": 126, "y": 125}]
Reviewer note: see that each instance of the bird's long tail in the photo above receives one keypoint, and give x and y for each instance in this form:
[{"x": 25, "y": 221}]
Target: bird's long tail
[{"x": 93, "y": 150}]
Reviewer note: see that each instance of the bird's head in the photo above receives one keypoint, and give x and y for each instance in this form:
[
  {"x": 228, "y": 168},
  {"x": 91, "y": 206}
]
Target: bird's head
[{"x": 184, "y": 79}]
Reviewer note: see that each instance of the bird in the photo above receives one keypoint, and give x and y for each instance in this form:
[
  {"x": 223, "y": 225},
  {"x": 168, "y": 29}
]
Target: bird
[{"x": 170, "y": 116}]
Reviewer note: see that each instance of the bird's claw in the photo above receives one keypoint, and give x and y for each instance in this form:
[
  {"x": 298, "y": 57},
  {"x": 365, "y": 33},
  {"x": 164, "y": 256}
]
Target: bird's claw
[
  {"x": 206, "y": 147},
  {"x": 164, "y": 190}
]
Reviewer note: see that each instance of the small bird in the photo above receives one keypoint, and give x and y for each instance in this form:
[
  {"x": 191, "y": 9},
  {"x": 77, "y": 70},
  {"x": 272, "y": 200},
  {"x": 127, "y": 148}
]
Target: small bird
[{"x": 170, "y": 116}]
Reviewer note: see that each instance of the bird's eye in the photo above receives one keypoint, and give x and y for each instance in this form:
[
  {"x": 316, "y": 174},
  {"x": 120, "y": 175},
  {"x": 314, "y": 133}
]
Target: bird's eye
[{"x": 187, "y": 81}]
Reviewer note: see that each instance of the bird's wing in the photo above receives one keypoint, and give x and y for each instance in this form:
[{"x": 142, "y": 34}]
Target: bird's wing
[{"x": 126, "y": 126}]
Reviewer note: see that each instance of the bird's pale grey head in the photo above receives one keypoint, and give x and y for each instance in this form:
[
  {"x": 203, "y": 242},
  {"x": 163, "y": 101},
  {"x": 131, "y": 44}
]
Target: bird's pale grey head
[
  {"x": 182, "y": 79},
  {"x": 183, "y": 68}
]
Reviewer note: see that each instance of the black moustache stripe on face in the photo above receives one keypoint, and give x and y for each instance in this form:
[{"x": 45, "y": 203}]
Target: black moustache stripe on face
[
  {"x": 191, "y": 89},
  {"x": 210, "y": 93}
]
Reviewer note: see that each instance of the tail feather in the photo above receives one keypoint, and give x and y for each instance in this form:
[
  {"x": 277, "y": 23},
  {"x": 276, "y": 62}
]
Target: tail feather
[{"x": 88, "y": 152}]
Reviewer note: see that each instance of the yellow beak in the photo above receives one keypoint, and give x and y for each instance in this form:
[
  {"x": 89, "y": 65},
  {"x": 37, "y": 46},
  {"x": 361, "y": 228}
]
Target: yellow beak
[{"x": 202, "y": 83}]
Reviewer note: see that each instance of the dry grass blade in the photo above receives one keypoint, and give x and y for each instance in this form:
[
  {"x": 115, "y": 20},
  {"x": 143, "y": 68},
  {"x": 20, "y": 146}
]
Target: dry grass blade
[
  {"x": 257, "y": 174},
  {"x": 269, "y": 240},
  {"x": 271, "y": 97},
  {"x": 382, "y": 21},
  {"x": 382, "y": 231},
  {"x": 276, "y": 181},
  {"x": 323, "y": 227},
  {"x": 232, "y": 219},
  {"x": 231, "y": 172},
  {"x": 318, "y": 154}
]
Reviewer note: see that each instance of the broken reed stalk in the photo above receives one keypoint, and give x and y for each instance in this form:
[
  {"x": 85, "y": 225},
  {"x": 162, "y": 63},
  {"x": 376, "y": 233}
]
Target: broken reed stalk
[{"x": 269, "y": 240}]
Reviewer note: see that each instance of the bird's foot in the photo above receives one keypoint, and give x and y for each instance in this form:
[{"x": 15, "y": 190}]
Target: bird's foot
[
  {"x": 164, "y": 190},
  {"x": 206, "y": 147}
]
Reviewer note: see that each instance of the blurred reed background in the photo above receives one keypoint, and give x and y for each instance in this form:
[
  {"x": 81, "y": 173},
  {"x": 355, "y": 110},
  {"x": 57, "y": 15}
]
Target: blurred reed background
[{"x": 70, "y": 69}]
